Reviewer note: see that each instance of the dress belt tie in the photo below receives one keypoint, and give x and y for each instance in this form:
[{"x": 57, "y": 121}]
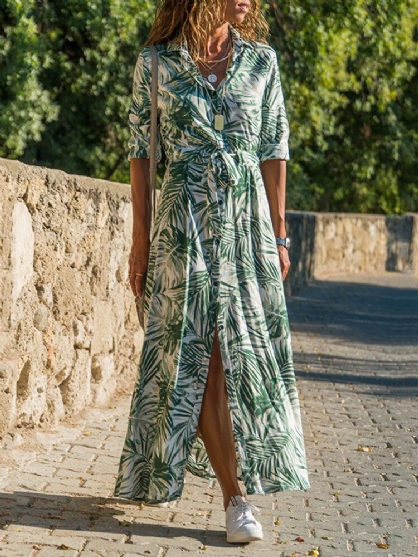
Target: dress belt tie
[{"x": 225, "y": 162}]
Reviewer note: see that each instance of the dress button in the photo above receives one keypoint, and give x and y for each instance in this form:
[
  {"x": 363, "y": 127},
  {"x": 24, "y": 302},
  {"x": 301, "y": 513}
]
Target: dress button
[
  {"x": 215, "y": 283},
  {"x": 220, "y": 327},
  {"x": 220, "y": 202},
  {"x": 217, "y": 241}
]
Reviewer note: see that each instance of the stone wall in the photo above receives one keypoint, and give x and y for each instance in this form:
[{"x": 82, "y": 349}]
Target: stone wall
[
  {"x": 331, "y": 243},
  {"x": 68, "y": 327}
]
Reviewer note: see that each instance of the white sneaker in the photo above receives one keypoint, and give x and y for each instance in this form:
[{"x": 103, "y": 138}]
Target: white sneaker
[
  {"x": 241, "y": 526},
  {"x": 160, "y": 505}
]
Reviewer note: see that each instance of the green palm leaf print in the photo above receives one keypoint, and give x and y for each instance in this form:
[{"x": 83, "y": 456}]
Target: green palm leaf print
[{"x": 213, "y": 265}]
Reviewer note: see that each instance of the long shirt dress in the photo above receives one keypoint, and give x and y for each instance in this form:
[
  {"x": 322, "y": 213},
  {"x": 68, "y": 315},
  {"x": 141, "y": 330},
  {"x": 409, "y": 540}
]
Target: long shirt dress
[{"x": 213, "y": 262}]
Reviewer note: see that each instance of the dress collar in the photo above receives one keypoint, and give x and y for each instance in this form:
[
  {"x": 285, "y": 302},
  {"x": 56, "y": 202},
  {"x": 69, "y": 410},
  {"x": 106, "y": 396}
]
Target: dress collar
[{"x": 190, "y": 66}]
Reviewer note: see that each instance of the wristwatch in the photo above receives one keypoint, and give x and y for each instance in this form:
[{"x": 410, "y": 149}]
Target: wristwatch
[{"x": 283, "y": 242}]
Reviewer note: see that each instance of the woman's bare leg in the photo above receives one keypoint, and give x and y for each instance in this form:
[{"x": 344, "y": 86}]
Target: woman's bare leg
[{"x": 216, "y": 428}]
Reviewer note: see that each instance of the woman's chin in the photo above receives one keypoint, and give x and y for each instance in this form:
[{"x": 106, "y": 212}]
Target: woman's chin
[{"x": 237, "y": 19}]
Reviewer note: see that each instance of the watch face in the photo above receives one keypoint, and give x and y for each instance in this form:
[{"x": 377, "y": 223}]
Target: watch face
[{"x": 283, "y": 242}]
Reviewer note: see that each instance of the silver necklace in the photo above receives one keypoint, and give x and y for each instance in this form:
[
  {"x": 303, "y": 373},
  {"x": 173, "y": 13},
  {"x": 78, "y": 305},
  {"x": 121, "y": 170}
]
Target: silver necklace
[
  {"x": 211, "y": 64},
  {"x": 212, "y": 77},
  {"x": 214, "y": 63}
]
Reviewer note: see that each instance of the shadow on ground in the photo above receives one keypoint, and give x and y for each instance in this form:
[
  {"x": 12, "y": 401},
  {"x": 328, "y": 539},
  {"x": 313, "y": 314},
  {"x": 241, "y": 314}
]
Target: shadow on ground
[
  {"x": 359, "y": 333},
  {"x": 359, "y": 372},
  {"x": 97, "y": 515},
  {"x": 357, "y": 313}
]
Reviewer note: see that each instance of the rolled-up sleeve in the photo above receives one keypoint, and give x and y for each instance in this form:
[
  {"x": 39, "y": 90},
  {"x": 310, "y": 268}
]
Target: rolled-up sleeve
[
  {"x": 140, "y": 110},
  {"x": 274, "y": 135}
]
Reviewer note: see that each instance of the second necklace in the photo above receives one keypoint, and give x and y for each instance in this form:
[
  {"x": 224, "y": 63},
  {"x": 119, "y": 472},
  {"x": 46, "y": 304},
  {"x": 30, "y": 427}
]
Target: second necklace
[{"x": 218, "y": 119}]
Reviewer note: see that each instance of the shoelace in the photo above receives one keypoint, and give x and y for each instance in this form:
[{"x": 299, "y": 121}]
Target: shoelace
[{"x": 242, "y": 508}]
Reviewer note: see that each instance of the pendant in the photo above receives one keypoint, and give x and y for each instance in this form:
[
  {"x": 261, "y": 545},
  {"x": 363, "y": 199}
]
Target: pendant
[
  {"x": 219, "y": 122},
  {"x": 212, "y": 78}
]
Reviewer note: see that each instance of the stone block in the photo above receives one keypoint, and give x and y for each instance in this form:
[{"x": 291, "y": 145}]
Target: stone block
[
  {"x": 76, "y": 389},
  {"x": 102, "y": 341},
  {"x": 103, "y": 378},
  {"x": 22, "y": 248}
]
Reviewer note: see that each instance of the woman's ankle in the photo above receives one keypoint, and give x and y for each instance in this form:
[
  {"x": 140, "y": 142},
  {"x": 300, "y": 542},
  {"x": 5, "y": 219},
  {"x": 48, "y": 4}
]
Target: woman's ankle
[{"x": 228, "y": 500}]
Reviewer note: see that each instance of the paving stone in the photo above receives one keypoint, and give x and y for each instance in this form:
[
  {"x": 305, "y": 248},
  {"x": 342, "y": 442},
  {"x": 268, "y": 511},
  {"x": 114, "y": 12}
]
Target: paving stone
[
  {"x": 75, "y": 465},
  {"x": 56, "y": 552},
  {"x": 144, "y": 550},
  {"x": 16, "y": 550},
  {"x": 95, "y": 554},
  {"x": 105, "y": 546},
  {"x": 99, "y": 484},
  {"x": 25, "y": 482}
]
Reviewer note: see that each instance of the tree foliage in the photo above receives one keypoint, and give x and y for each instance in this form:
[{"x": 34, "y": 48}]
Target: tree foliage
[
  {"x": 349, "y": 70},
  {"x": 25, "y": 105},
  {"x": 79, "y": 77}
]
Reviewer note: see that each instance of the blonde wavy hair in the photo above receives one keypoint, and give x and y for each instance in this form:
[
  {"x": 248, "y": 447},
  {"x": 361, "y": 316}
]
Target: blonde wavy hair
[{"x": 192, "y": 20}]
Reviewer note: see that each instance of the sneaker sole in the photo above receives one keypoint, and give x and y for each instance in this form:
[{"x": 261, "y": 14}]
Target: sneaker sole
[{"x": 243, "y": 538}]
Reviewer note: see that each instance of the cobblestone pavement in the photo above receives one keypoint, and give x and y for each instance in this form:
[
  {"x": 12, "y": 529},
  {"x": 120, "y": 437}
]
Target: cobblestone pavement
[{"x": 355, "y": 343}]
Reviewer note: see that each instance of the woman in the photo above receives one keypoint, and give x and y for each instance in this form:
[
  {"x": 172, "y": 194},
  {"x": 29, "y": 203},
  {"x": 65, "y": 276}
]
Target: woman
[{"x": 216, "y": 364}]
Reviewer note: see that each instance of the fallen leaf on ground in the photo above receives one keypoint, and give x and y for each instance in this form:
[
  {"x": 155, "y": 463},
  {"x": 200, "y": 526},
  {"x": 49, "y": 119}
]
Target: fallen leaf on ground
[
  {"x": 382, "y": 545},
  {"x": 204, "y": 547},
  {"x": 299, "y": 540},
  {"x": 364, "y": 449},
  {"x": 314, "y": 553},
  {"x": 64, "y": 547}
]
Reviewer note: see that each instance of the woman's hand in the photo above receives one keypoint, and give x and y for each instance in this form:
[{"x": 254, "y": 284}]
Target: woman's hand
[
  {"x": 284, "y": 260},
  {"x": 138, "y": 266}
]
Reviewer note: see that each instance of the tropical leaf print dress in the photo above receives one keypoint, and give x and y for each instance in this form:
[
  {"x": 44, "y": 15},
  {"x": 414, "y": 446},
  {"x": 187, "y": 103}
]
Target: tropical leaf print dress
[{"x": 213, "y": 262}]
